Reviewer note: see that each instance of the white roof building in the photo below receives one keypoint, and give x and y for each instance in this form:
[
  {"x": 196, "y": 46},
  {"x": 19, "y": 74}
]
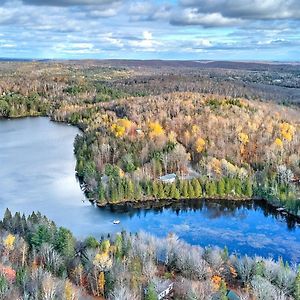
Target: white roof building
[{"x": 168, "y": 178}]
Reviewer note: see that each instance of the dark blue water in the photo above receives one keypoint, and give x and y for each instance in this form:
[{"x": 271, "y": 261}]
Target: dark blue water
[{"x": 37, "y": 173}]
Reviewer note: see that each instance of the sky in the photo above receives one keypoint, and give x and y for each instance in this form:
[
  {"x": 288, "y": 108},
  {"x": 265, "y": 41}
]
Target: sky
[{"x": 170, "y": 29}]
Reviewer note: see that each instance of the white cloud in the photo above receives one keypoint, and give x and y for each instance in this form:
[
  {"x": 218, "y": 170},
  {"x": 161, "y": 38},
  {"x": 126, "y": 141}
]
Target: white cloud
[
  {"x": 145, "y": 44},
  {"x": 191, "y": 16}
]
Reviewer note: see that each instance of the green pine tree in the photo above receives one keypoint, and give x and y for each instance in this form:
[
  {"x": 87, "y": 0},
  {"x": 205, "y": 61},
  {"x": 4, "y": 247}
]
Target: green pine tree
[
  {"x": 238, "y": 187},
  {"x": 161, "y": 191},
  {"x": 129, "y": 193},
  {"x": 148, "y": 190},
  {"x": 65, "y": 242},
  {"x": 228, "y": 186},
  {"x": 184, "y": 191},
  {"x": 221, "y": 187},
  {"x": 155, "y": 189},
  {"x": 223, "y": 291},
  {"x": 138, "y": 192},
  {"x": 248, "y": 190},
  {"x": 191, "y": 192},
  {"x": 197, "y": 188},
  {"x": 174, "y": 192},
  {"x": 101, "y": 193},
  {"x": 151, "y": 293},
  {"x": 211, "y": 189}
]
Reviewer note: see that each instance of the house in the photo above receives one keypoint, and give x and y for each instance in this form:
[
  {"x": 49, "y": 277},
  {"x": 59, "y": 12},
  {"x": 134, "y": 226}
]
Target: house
[
  {"x": 168, "y": 178},
  {"x": 231, "y": 295},
  {"x": 163, "y": 288}
]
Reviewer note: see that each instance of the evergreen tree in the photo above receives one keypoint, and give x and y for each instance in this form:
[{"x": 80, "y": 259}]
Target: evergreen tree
[
  {"x": 151, "y": 293},
  {"x": 112, "y": 188},
  {"x": 120, "y": 190},
  {"x": 184, "y": 191},
  {"x": 248, "y": 191},
  {"x": 119, "y": 246},
  {"x": 221, "y": 187},
  {"x": 4, "y": 286},
  {"x": 155, "y": 189},
  {"x": 197, "y": 188},
  {"x": 167, "y": 189},
  {"x": 157, "y": 168},
  {"x": 40, "y": 236},
  {"x": 101, "y": 193},
  {"x": 191, "y": 192},
  {"x": 91, "y": 242},
  {"x": 238, "y": 187},
  {"x": 129, "y": 191},
  {"x": 64, "y": 242},
  {"x": 7, "y": 220},
  {"x": 161, "y": 191},
  {"x": 223, "y": 291},
  {"x": 137, "y": 191},
  {"x": 148, "y": 190},
  {"x": 16, "y": 223},
  {"x": 228, "y": 186},
  {"x": 211, "y": 189},
  {"x": 174, "y": 192}
]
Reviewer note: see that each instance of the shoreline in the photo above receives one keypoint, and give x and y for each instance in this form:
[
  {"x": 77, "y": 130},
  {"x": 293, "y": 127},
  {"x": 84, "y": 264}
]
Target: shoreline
[
  {"x": 158, "y": 203},
  {"x": 164, "y": 203},
  {"x": 143, "y": 202}
]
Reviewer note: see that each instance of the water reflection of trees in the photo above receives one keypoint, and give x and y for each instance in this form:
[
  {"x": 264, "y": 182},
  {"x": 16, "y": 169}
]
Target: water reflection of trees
[{"x": 212, "y": 209}]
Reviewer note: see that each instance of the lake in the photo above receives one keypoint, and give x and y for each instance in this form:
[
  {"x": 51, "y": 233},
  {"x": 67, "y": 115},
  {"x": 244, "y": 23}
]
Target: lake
[{"x": 37, "y": 173}]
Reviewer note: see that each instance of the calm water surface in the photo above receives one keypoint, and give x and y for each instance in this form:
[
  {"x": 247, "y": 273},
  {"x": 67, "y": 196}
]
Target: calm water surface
[{"x": 37, "y": 173}]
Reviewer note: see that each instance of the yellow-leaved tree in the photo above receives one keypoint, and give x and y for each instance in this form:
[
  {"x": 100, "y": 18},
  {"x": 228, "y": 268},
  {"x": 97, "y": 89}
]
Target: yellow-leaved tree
[
  {"x": 155, "y": 129},
  {"x": 101, "y": 283},
  {"x": 243, "y": 138},
  {"x": 117, "y": 130},
  {"x": 70, "y": 294},
  {"x": 9, "y": 242},
  {"x": 200, "y": 145},
  {"x": 278, "y": 142},
  {"x": 287, "y": 131}
]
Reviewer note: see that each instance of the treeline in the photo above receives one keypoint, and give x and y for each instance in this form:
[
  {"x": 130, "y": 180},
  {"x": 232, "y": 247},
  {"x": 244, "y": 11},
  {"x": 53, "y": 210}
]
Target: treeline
[
  {"x": 115, "y": 189},
  {"x": 16, "y": 105},
  {"x": 40, "y": 261}
]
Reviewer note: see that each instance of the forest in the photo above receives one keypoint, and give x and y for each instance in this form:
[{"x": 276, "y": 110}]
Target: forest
[
  {"x": 39, "y": 260},
  {"x": 170, "y": 131}
]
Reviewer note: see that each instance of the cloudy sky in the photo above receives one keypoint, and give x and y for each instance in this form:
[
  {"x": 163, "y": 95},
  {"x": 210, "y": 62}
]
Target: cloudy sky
[{"x": 166, "y": 29}]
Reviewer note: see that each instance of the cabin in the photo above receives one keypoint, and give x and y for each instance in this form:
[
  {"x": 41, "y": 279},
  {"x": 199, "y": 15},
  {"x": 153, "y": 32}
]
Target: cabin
[
  {"x": 168, "y": 178},
  {"x": 163, "y": 288},
  {"x": 231, "y": 295}
]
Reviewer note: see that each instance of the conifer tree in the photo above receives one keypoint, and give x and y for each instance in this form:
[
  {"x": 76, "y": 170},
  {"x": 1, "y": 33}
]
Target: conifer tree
[
  {"x": 228, "y": 186},
  {"x": 238, "y": 187},
  {"x": 155, "y": 189},
  {"x": 151, "y": 293},
  {"x": 248, "y": 191},
  {"x": 221, "y": 187},
  {"x": 197, "y": 188},
  {"x": 129, "y": 191},
  {"x": 7, "y": 220},
  {"x": 184, "y": 192},
  {"x": 191, "y": 192},
  {"x": 211, "y": 189},
  {"x": 161, "y": 191},
  {"x": 101, "y": 193},
  {"x": 137, "y": 191}
]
